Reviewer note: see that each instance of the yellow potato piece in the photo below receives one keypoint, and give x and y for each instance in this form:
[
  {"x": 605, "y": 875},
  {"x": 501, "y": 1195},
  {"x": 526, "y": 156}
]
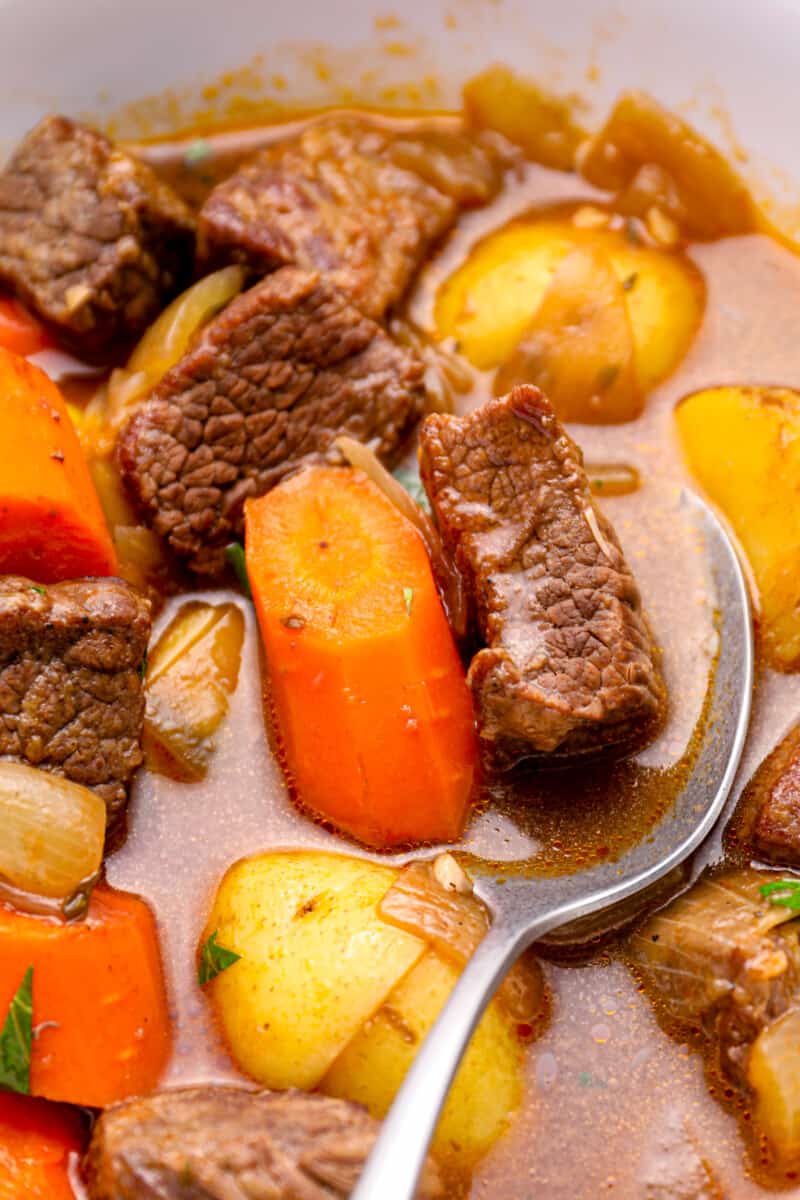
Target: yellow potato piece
[
  {"x": 488, "y": 1086},
  {"x": 743, "y": 446},
  {"x": 489, "y": 302},
  {"x": 541, "y": 123},
  {"x": 316, "y": 960},
  {"x": 774, "y": 1074},
  {"x": 579, "y": 347}
]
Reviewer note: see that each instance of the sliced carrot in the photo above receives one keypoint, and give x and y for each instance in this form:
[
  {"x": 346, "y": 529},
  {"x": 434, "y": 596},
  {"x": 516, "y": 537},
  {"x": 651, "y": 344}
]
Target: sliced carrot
[
  {"x": 20, "y": 331},
  {"x": 51, "y": 523},
  {"x": 99, "y": 1002},
  {"x": 371, "y": 705},
  {"x": 36, "y": 1142}
]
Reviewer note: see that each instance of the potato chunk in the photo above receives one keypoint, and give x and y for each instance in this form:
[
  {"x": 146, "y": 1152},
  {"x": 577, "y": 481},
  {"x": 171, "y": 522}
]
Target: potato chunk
[
  {"x": 542, "y": 124},
  {"x": 743, "y": 446},
  {"x": 487, "y": 1088},
  {"x": 316, "y": 960},
  {"x": 579, "y": 347},
  {"x": 488, "y": 304},
  {"x": 774, "y": 1075},
  {"x": 649, "y": 156},
  {"x": 191, "y": 675}
]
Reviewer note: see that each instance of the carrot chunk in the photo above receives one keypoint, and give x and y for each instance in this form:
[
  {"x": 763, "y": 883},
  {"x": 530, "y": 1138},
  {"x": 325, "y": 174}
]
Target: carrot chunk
[
  {"x": 99, "y": 1003},
  {"x": 20, "y": 331},
  {"x": 36, "y": 1141},
  {"x": 370, "y": 701},
  {"x": 51, "y": 523}
]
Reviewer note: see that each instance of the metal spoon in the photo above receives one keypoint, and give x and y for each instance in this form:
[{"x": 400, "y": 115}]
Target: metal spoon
[{"x": 526, "y": 908}]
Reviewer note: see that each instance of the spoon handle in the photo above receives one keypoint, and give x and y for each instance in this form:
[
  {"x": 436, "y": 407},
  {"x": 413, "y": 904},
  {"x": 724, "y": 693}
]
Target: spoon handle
[{"x": 397, "y": 1158}]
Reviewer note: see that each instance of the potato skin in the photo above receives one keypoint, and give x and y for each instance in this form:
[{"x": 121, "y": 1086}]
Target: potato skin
[{"x": 742, "y": 444}]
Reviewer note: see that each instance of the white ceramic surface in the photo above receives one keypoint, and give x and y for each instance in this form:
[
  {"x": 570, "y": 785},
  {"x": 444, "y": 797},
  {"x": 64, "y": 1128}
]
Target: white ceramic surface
[{"x": 731, "y": 64}]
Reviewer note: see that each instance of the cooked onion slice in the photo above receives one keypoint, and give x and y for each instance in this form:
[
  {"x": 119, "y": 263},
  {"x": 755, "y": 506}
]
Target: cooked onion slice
[
  {"x": 191, "y": 674},
  {"x": 168, "y": 339},
  {"x": 448, "y": 579},
  {"x": 51, "y": 832},
  {"x": 454, "y": 923}
]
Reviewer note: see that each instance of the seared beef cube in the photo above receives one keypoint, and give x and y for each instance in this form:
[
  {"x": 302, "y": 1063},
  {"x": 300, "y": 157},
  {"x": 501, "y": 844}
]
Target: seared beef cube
[
  {"x": 569, "y": 664},
  {"x": 217, "y": 1143},
  {"x": 90, "y": 238},
  {"x": 722, "y": 960},
  {"x": 287, "y": 366},
  {"x": 71, "y": 697},
  {"x": 771, "y": 805},
  {"x": 348, "y": 198}
]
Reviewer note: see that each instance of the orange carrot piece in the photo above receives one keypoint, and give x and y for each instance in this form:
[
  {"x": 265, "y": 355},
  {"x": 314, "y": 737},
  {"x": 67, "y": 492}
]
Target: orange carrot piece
[
  {"x": 370, "y": 701},
  {"x": 51, "y": 523},
  {"x": 36, "y": 1141},
  {"x": 20, "y": 331},
  {"x": 99, "y": 1000}
]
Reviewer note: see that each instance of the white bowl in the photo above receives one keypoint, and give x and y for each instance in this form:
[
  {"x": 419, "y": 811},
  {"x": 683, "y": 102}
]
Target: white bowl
[{"x": 731, "y": 65}]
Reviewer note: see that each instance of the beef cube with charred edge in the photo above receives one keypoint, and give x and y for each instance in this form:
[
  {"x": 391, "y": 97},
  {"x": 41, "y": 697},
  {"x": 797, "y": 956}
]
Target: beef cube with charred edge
[
  {"x": 90, "y": 239},
  {"x": 212, "y": 1143},
  {"x": 71, "y": 698},
  {"x": 569, "y": 664},
  {"x": 287, "y": 366},
  {"x": 352, "y": 199}
]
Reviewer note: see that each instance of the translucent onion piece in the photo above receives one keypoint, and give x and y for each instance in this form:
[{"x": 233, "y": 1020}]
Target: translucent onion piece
[
  {"x": 448, "y": 579},
  {"x": 454, "y": 924},
  {"x": 613, "y": 479},
  {"x": 51, "y": 832},
  {"x": 716, "y": 957},
  {"x": 168, "y": 339},
  {"x": 191, "y": 674},
  {"x": 774, "y": 1075}
]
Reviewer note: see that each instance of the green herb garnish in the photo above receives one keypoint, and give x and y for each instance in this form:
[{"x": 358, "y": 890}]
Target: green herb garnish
[
  {"x": 408, "y": 596},
  {"x": 16, "y": 1038},
  {"x": 36, "y": 587},
  {"x": 630, "y": 281},
  {"x": 198, "y": 151},
  {"x": 142, "y": 669},
  {"x": 587, "y": 1080},
  {"x": 214, "y": 959},
  {"x": 411, "y": 482},
  {"x": 234, "y": 553},
  {"x": 785, "y": 892}
]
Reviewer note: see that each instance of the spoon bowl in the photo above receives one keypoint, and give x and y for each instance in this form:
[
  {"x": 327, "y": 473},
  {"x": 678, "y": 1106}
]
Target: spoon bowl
[{"x": 526, "y": 908}]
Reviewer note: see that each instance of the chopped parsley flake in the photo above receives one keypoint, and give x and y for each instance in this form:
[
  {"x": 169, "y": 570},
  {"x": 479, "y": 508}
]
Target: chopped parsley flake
[
  {"x": 408, "y": 596},
  {"x": 16, "y": 1038},
  {"x": 785, "y": 892},
  {"x": 214, "y": 959},
  {"x": 234, "y": 554}
]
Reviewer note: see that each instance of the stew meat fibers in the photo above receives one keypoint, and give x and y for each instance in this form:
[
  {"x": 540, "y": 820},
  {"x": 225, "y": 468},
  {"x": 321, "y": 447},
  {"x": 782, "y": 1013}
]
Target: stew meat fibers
[{"x": 335, "y": 409}]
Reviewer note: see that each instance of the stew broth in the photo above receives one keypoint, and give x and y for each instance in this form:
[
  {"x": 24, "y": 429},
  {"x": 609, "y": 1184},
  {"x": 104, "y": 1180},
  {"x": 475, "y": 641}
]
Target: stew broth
[{"x": 603, "y": 1079}]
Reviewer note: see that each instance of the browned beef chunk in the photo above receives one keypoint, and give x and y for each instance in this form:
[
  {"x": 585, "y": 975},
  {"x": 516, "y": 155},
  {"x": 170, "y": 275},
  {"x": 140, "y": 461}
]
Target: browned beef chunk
[
  {"x": 221, "y": 1143},
  {"x": 569, "y": 665},
  {"x": 351, "y": 199},
  {"x": 723, "y": 961},
  {"x": 90, "y": 239},
  {"x": 768, "y": 820},
  {"x": 70, "y": 692},
  {"x": 284, "y": 369}
]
